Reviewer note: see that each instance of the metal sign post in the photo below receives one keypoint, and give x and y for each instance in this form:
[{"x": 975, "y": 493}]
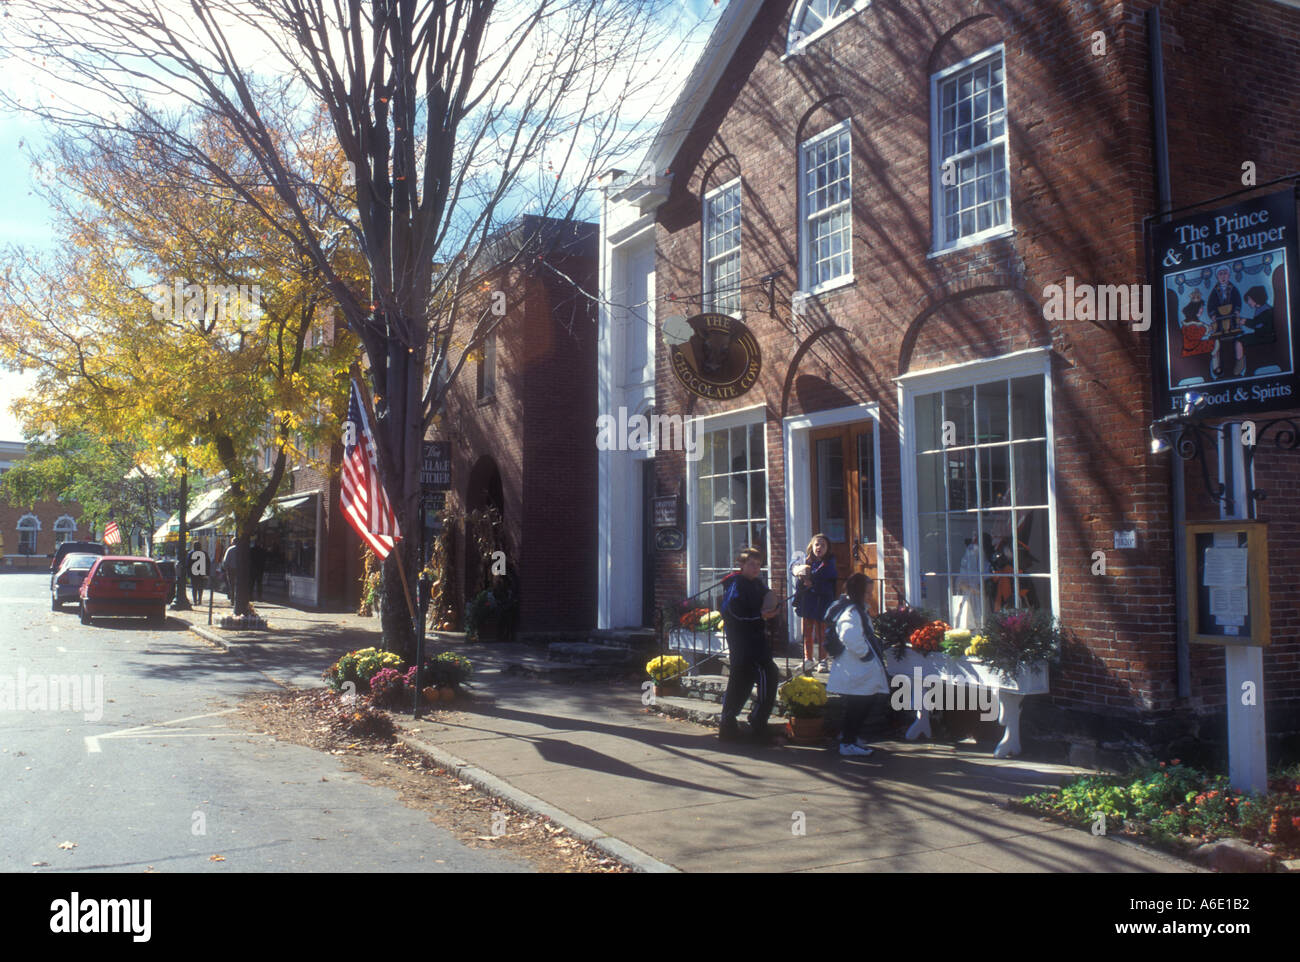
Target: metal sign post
[{"x": 435, "y": 477}]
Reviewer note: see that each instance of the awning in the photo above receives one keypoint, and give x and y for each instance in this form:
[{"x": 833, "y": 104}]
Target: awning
[{"x": 199, "y": 515}]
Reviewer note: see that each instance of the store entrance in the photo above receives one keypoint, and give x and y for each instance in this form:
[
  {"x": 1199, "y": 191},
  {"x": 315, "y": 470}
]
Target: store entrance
[{"x": 843, "y": 488}]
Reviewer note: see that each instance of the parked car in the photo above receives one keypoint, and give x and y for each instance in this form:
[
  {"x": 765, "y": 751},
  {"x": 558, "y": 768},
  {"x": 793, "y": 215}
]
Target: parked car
[
  {"x": 124, "y": 585},
  {"x": 168, "y": 568},
  {"x": 66, "y": 584},
  {"x": 73, "y": 547}
]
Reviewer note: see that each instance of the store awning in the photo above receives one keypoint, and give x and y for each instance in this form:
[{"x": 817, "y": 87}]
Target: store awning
[{"x": 199, "y": 515}]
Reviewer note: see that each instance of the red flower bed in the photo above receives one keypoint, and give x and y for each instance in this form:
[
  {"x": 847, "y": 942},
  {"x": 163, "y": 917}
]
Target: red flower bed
[{"x": 927, "y": 638}]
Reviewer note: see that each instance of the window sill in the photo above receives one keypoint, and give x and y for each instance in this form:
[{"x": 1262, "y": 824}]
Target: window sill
[
  {"x": 969, "y": 242},
  {"x": 826, "y": 287},
  {"x": 486, "y": 401}
]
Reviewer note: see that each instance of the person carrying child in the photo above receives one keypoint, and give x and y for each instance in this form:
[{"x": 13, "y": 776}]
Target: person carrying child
[{"x": 814, "y": 594}]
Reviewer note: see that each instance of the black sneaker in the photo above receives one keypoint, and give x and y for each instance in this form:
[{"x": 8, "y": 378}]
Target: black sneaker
[
  {"x": 729, "y": 732},
  {"x": 763, "y": 735}
]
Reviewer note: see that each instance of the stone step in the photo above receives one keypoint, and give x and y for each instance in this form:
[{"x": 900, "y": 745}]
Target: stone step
[
  {"x": 586, "y": 653},
  {"x": 638, "y": 638},
  {"x": 704, "y": 712}
]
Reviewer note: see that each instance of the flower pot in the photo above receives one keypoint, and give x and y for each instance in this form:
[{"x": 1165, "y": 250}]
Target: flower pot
[
  {"x": 447, "y": 693},
  {"x": 805, "y": 729},
  {"x": 668, "y": 688}
]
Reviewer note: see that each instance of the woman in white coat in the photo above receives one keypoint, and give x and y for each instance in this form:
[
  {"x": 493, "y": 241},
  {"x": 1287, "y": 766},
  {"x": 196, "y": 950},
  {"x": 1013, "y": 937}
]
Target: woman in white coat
[{"x": 857, "y": 673}]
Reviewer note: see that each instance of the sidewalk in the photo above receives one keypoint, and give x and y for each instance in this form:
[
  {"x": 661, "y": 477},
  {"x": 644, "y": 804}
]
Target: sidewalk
[{"x": 671, "y": 790}]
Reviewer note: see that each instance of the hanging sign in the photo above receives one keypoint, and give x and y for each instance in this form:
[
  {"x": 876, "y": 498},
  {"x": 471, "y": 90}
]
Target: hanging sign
[
  {"x": 1225, "y": 304},
  {"x": 435, "y": 466},
  {"x": 720, "y": 359}
]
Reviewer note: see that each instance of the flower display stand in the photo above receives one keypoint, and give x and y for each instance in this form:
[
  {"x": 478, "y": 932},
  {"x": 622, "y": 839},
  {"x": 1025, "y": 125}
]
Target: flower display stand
[{"x": 1009, "y": 693}]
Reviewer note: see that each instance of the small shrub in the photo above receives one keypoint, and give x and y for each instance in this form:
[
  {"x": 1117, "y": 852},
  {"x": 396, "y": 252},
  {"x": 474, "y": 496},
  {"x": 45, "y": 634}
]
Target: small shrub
[
  {"x": 387, "y": 687},
  {"x": 359, "y": 667}
]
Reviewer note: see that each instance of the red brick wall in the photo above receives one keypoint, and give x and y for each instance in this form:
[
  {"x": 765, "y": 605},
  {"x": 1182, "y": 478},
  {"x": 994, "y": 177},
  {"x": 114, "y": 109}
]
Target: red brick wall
[
  {"x": 47, "y": 512},
  {"x": 540, "y": 431},
  {"x": 1082, "y": 179}
]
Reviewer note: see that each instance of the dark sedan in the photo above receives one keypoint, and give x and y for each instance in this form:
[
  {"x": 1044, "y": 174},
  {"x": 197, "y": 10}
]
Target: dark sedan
[{"x": 66, "y": 584}]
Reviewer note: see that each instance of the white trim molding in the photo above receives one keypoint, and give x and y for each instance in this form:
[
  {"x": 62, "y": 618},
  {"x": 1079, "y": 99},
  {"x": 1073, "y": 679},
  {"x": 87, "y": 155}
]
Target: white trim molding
[{"x": 1027, "y": 363}]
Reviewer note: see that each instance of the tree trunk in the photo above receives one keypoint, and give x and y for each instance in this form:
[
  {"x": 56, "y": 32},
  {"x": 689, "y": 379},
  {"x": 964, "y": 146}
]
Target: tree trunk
[
  {"x": 399, "y": 632},
  {"x": 242, "y": 573}
]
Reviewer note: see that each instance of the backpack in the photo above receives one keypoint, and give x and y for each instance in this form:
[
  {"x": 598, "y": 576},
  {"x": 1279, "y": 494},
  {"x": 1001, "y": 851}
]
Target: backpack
[{"x": 833, "y": 643}]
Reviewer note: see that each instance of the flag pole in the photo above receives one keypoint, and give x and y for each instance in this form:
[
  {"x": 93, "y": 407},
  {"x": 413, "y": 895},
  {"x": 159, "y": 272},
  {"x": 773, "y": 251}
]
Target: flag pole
[{"x": 355, "y": 371}]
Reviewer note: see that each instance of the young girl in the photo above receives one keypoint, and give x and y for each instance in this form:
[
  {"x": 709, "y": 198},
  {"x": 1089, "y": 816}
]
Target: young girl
[{"x": 818, "y": 578}]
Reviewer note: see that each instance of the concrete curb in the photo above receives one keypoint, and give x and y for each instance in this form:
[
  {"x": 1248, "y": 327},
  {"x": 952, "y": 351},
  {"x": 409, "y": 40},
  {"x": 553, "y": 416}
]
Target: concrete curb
[{"x": 614, "y": 847}]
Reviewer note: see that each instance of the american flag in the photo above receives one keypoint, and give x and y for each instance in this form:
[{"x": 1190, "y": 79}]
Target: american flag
[
  {"x": 111, "y": 534},
  {"x": 365, "y": 503}
]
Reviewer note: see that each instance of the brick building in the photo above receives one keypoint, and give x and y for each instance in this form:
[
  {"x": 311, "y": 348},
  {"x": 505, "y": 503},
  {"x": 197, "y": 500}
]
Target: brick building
[
  {"x": 520, "y": 419},
  {"x": 29, "y": 534},
  {"x": 884, "y": 194}
]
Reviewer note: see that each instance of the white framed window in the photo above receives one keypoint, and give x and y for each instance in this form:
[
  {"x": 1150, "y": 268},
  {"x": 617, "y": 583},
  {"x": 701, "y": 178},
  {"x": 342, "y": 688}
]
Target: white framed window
[
  {"x": 727, "y": 497},
  {"x": 487, "y": 368},
  {"x": 826, "y": 209},
  {"x": 722, "y": 249},
  {"x": 813, "y": 18},
  {"x": 969, "y": 130},
  {"x": 64, "y": 528},
  {"x": 28, "y": 527},
  {"x": 979, "y": 488}
]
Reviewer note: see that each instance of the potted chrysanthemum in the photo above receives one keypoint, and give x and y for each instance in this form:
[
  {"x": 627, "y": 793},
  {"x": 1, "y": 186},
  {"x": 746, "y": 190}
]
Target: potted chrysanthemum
[
  {"x": 805, "y": 703},
  {"x": 666, "y": 671}
]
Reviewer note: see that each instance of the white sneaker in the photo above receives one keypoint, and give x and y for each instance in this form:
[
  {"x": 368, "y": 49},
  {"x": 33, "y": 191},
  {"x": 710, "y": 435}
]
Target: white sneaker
[
  {"x": 823, "y": 665},
  {"x": 848, "y": 749}
]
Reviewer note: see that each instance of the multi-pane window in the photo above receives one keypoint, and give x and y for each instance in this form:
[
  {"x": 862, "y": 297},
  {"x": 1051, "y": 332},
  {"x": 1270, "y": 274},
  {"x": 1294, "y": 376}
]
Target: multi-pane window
[
  {"x": 817, "y": 16},
  {"x": 825, "y": 197},
  {"x": 28, "y": 526},
  {"x": 487, "y": 368},
  {"x": 732, "y": 500},
  {"x": 64, "y": 529},
  {"x": 722, "y": 249},
  {"x": 971, "y": 179},
  {"x": 982, "y": 499}
]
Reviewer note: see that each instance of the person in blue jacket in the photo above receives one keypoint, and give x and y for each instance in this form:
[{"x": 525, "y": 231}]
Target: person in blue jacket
[
  {"x": 814, "y": 595},
  {"x": 746, "y": 604}
]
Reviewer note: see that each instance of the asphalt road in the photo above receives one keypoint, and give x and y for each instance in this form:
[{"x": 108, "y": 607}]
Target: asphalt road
[{"x": 116, "y": 737}]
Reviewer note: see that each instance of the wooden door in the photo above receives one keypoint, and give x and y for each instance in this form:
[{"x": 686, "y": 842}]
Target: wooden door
[{"x": 843, "y": 486}]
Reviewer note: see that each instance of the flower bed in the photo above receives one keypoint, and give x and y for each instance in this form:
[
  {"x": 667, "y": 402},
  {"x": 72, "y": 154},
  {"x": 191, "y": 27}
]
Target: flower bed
[{"x": 1178, "y": 807}]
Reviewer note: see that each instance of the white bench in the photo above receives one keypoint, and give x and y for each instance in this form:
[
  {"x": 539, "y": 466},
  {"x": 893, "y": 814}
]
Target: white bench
[{"x": 1008, "y": 693}]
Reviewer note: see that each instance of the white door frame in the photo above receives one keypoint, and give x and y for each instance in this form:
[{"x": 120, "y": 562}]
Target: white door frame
[{"x": 795, "y": 434}]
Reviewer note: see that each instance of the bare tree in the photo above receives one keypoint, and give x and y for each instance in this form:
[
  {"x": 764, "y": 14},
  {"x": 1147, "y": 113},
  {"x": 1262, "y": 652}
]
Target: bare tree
[{"x": 454, "y": 117}]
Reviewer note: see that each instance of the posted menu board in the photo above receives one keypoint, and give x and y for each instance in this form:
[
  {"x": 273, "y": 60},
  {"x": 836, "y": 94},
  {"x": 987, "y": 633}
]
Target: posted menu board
[
  {"x": 1224, "y": 307},
  {"x": 1227, "y": 571}
]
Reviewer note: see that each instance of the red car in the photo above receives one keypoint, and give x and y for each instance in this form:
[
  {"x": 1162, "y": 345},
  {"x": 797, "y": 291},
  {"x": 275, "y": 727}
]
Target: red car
[{"x": 122, "y": 585}]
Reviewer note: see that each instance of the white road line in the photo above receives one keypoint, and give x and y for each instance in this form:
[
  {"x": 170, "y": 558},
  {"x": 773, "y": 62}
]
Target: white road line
[{"x": 161, "y": 730}]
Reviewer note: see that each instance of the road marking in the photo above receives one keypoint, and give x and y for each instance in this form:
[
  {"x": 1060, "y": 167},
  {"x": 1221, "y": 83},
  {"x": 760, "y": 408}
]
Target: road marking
[{"x": 158, "y": 729}]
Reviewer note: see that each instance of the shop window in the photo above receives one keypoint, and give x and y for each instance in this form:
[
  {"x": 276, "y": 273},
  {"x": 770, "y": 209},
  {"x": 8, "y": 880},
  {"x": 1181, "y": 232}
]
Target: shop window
[
  {"x": 722, "y": 249},
  {"x": 812, "y": 18},
  {"x": 28, "y": 527},
  {"x": 64, "y": 530},
  {"x": 984, "y": 517},
  {"x": 825, "y": 230},
  {"x": 970, "y": 131},
  {"x": 731, "y": 488}
]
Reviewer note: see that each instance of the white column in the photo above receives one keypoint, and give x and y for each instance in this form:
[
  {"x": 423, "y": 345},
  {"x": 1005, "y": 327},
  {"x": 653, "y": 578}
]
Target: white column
[{"x": 1244, "y": 664}]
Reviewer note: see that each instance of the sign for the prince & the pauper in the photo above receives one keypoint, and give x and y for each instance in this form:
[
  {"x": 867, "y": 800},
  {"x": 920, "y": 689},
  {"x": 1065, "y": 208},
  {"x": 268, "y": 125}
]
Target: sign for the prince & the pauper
[{"x": 1225, "y": 307}]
